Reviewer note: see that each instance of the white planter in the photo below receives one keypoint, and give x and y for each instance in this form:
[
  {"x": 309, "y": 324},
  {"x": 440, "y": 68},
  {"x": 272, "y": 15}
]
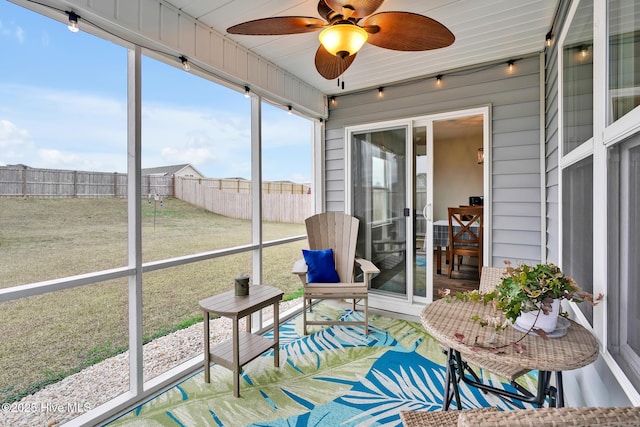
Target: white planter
[{"x": 546, "y": 322}]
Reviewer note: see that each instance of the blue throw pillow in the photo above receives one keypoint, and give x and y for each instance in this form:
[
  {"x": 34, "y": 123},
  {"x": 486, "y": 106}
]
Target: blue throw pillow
[{"x": 321, "y": 268}]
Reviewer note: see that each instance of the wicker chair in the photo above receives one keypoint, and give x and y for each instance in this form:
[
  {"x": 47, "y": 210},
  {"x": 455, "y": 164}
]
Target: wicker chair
[{"x": 541, "y": 417}]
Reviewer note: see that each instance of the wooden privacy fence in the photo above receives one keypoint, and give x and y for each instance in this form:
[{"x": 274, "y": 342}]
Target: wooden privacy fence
[
  {"x": 279, "y": 207},
  {"x": 239, "y": 185},
  {"x": 19, "y": 181},
  {"x": 281, "y": 202}
]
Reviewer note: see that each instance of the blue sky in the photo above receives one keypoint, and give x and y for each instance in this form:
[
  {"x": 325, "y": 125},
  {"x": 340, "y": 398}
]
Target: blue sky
[{"x": 63, "y": 106}]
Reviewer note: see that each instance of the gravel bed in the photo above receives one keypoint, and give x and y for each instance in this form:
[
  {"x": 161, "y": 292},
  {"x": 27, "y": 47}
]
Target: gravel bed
[{"x": 78, "y": 393}]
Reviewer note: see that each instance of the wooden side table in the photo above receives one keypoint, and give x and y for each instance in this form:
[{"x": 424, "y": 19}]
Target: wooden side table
[{"x": 243, "y": 346}]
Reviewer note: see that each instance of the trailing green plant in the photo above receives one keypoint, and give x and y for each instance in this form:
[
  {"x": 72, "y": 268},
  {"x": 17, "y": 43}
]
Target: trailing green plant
[{"x": 528, "y": 288}]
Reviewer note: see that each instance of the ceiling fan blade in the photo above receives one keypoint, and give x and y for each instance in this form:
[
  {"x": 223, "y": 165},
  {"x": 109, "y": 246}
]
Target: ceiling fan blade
[
  {"x": 362, "y": 7},
  {"x": 325, "y": 11},
  {"x": 278, "y": 26},
  {"x": 330, "y": 66},
  {"x": 406, "y": 31}
]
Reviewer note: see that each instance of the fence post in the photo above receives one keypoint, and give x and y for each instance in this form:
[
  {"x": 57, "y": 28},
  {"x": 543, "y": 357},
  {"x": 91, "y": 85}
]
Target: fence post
[{"x": 24, "y": 181}]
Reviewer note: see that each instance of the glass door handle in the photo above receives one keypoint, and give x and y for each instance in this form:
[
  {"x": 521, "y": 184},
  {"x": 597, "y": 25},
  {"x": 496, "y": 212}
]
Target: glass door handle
[{"x": 425, "y": 210}]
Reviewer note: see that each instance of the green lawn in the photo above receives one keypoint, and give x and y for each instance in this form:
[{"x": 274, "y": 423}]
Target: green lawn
[{"x": 47, "y": 337}]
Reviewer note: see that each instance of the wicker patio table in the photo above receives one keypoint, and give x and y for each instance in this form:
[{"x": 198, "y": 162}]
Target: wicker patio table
[{"x": 451, "y": 323}]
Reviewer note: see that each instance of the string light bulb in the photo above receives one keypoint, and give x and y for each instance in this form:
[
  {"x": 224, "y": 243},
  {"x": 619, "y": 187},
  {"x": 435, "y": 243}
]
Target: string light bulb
[
  {"x": 439, "y": 79},
  {"x": 247, "y": 91},
  {"x": 333, "y": 100},
  {"x": 548, "y": 39},
  {"x": 289, "y": 110},
  {"x": 584, "y": 51},
  {"x": 73, "y": 22},
  {"x": 185, "y": 63},
  {"x": 510, "y": 65},
  {"x": 380, "y": 92}
]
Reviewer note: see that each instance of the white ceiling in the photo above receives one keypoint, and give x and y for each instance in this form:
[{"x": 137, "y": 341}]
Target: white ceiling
[{"x": 485, "y": 31}]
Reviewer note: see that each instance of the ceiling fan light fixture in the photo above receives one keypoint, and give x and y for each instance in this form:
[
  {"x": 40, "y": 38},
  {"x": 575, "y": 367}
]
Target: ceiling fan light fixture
[{"x": 343, "y": 39}]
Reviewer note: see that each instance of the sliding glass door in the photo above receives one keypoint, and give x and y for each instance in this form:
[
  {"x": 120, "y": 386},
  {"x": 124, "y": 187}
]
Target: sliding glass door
[
  {"x": 422, "y": 189},
  {"x": 399, "y": 185},
  {"x": 378, "y": 199}
]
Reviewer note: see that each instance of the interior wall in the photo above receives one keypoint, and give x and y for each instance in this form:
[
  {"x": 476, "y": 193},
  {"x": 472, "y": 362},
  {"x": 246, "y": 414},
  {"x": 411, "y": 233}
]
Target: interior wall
[{"x": 456, "y": 172}]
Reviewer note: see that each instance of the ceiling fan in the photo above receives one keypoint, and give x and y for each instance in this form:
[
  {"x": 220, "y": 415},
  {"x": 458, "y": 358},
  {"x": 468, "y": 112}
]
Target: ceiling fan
[{"x": 348, "y": 25}]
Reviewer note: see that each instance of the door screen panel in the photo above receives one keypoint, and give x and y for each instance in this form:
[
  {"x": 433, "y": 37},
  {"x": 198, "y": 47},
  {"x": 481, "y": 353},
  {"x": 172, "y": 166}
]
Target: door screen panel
[{"x": 379, "y": 201}]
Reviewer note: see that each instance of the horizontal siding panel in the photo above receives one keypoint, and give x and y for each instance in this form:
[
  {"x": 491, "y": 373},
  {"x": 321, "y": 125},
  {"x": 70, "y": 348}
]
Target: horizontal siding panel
[
  {"x": 552, "y": 178},
  {"x": 530, "y": 238},
  {"x": 553, "y": 194},
  {"x": 516, "y": 209},
  {"x": 334, "y": 174},
  {"x": 337, "y": 154},
  {"x": 516, "y": 194},
  {"x": 517, "y": 253},
  {"x": 337, "y": 164},
  {"x": 519, "y": 152},
  {"x": 516, "y": 223},
  {"x": 513, "y": 139},
  {"x": 335, "y": 185},
  {"x": 522, "y": 109},
  {"x": 552, "y": 160},
  {"x": 531, "y": 180},
  {"x": 516, "y": 166},
  {"x": 499, "y": 261},
  {"x": 331, "y": 134},
  {"x": 516, "y": 124},
  {"x": 553, "y": 242}
]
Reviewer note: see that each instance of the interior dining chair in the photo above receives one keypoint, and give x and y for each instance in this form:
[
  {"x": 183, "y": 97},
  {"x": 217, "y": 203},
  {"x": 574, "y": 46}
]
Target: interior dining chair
[
  {"x": 465, "y": 235},
  {"x": 327, "y": 270}
]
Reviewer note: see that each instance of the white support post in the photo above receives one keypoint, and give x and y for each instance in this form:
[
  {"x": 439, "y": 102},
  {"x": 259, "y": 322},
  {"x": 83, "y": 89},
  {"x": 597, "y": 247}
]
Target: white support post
[
  {"x": 134, "y": 222},
  {"x": 256, "y": 197}
]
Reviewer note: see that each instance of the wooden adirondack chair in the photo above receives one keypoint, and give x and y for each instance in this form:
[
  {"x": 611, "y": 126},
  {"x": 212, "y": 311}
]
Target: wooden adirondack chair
[{"x": 339, "y": 232}]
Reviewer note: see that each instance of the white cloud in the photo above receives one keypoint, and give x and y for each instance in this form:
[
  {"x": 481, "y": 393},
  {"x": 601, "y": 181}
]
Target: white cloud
[
  {"x": 12, "y": 31},
  {"x": 19, "y": 34},
  {"x": 216, "y": 142},
  {"x": 11, "y": 135},
  {"x": 63, "y": 129}
]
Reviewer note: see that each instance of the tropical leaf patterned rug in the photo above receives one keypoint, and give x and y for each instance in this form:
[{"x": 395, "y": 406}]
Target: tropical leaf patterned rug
[{"x": 335, "y": 376}]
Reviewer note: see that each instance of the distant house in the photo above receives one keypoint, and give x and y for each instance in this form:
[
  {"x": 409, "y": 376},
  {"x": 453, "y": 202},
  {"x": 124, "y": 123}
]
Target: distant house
[{"x": 185, "y": 170}]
